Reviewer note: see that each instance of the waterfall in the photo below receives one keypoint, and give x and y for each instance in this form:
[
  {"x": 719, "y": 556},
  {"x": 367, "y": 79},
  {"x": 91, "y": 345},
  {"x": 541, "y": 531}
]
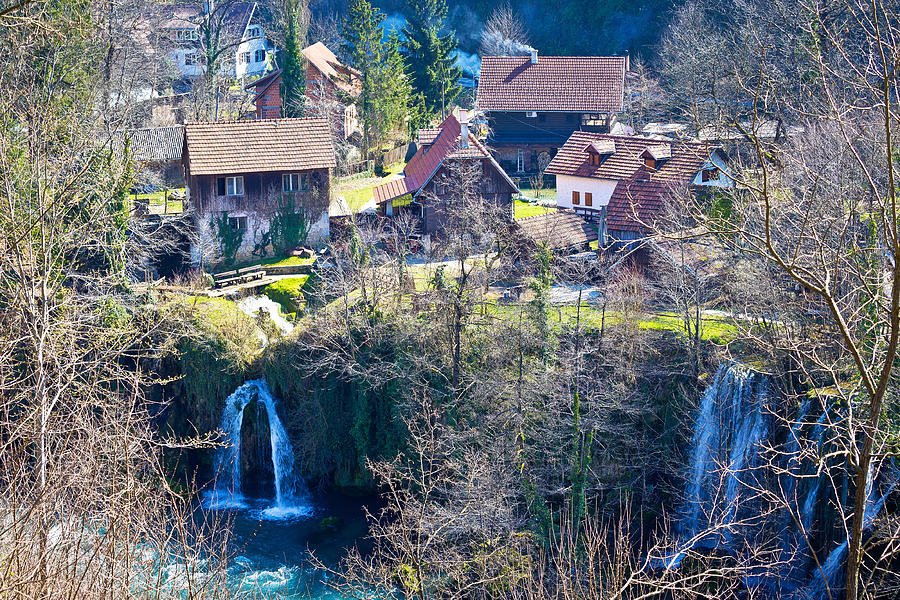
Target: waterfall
[
  {"x": 731, "y": 428},
  {"x": 251, "y": 305},
  {"x": 290, "y": 493},
  {"x": 731, "y": 425}
]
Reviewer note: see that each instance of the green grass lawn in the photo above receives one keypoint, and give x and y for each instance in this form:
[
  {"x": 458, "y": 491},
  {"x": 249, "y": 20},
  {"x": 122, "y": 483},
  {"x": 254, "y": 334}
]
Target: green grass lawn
[
  {"x": 524, "y": 209},
  {"x": 156, "y": 201},
  {"x": 359, "y": 190},
  {"x": 287, "y": 293}
]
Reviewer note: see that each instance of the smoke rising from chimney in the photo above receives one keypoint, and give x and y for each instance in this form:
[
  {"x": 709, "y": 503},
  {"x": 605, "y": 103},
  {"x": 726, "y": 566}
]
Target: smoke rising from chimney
[{"x": 494, "y": 44}]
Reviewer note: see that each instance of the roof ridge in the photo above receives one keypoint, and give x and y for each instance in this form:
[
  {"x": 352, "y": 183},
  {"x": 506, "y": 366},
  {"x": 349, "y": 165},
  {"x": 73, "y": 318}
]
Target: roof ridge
[{"x": 246, "y": 121}]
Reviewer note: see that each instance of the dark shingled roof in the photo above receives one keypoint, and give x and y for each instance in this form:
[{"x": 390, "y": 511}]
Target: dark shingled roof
[
  {"x": 154, "y": 144},
  {"x": 561, "y": 229},
  {"x": 263, "y": 145},
  {"x": 555, "y": 84},
  {"x": 637, "y": 203}
]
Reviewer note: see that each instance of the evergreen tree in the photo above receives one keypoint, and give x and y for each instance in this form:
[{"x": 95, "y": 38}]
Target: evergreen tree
[
  {"x": 293, "y": 70},
  {"x": 362, "y": 32},
  {"x": 430, "y": 55},
  {"x": 383, "y": 102}
]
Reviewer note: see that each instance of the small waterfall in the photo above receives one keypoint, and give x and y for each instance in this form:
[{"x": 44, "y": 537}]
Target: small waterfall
[
  {"x": 290, "y": 493},
  {"x": 251, "y": 305}
]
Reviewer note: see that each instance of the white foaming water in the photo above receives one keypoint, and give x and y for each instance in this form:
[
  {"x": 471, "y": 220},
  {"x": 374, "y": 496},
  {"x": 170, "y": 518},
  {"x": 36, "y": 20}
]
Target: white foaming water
[
  {"x": 251, "y": 305},
  {"x": 290, "y": 493}
]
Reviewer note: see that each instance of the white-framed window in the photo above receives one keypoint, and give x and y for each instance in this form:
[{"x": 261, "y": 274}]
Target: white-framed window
[
  {"x": 191, "y": 59},
  {"x": 244, "y": 58},
  {"x": 520, "y": 160},
  {"x": 290, "y": 182},
  {"x": 237, "y": 223},
  {"x": 185, "y": 34},
  {"x": 260, "y": 55},
  {"x": 254, "y": 31},
  {"x": 230, "y": 186}
]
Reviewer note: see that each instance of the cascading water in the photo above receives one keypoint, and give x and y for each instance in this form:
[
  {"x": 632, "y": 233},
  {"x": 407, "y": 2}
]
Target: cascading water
[
  {"x": 730, "y": 435},
  {"x": 252, "y": 305},
  {"x": 731, "y": 426},
  {"x": 290, "y": 493}
]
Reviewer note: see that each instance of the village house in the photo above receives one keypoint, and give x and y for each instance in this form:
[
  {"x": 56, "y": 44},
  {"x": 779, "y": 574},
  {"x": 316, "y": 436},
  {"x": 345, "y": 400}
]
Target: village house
[
  {"x": 421, "y": 191},
  {"x": 243, "y": 175},
  {"x": 330, "y": 89},
  {"x": 237, "y": 28},
  {"x": 533, "y": 104},
  {"x": 623, "y": 182}
]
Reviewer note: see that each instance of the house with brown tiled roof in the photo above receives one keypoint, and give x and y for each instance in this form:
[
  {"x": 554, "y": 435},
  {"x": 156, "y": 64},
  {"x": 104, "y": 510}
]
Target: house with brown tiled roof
[
  {"x": 624, "y": 182},
  {"x": 331, "y": 87},
  {"x": 534, "y": 104},
  {"x": 254, "y": 177},
  {"x": 420, "y": 189}
]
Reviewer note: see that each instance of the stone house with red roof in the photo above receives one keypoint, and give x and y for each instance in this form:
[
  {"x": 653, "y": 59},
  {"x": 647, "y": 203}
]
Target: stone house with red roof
[
  {"x": 242, "y": 174},
  {"x": 624, "y": 182},
  {"x": 533, "y": 104},
  {"x": 420, "y": 190},
  {"x": 331, "y": 87}
]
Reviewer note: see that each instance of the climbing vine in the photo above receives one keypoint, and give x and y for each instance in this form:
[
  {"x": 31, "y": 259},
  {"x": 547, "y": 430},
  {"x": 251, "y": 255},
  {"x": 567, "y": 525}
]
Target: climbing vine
[{"x": 230, "y": 238}]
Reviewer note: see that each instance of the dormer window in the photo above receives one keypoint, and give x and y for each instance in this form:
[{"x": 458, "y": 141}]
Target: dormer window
[
  {"x": 654, "y": 156},
  {"x": 599, "y": 150},
  {"x": 254, "y": 31}
]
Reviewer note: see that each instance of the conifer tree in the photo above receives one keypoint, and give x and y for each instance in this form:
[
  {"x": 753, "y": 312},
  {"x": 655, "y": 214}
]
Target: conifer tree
[
  {"x": 293, "y": 70},
  {"x": 430, "y": 54}
]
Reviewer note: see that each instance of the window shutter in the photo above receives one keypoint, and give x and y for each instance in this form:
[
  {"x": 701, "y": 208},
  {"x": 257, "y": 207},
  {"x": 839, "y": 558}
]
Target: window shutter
[
  {"x": 576, "y": 198},
  {"x": 588, "y": 198},
  {"x": 221, "y": 186}
]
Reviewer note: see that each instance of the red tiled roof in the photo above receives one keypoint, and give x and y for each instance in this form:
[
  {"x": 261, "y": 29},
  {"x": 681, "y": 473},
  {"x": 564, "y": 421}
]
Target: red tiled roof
[
  {"x": 427, "y": 136},
  {"x": 262, "y": 145},
  {"x": 555, "y": 83},
  {"x": 687, "y": 158},
  {"x": 344, "y": 77},
  {"x": 637, "y": 202},
  {"x": 560, "y": 229},
  {"x": 427, "y": 159},
  {"x": 264, "y": 83}
]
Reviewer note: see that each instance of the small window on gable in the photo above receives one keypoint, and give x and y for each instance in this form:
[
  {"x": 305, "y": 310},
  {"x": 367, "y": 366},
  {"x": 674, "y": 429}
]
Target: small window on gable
[
  {"x": 711, "y": 174},
  {"x": 595, "y": 159}
]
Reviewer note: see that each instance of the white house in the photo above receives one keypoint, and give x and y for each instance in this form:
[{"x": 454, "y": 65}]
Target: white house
[
  {"x": 622, "y": 181},
  {"x": 246, "y": 49}
]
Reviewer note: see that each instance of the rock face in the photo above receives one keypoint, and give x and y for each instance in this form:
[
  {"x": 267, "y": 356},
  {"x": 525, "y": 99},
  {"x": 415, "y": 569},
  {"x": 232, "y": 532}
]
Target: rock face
[{"x": 256, "y": 454}]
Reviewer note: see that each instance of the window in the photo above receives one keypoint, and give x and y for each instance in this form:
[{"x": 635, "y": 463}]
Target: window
[
  {"x": 650, "y": 163},
  {"x": 183, "y": 35},
  {"x": 588, "y": 198},
  {"x": 576, "y": 198},
  {"x": 290, "y": 182},
  {"x": 244, "y": 58},
  {"x": 709, "y": 175},
  {"x": 191, "y": 59},
  {"x": 520, "y": 160},
  {"x": 595, "y": 159},
  {"x": 230, "y": 186},
  {"x": 237, "y": 223},
  {"x": 260, "y": 55},
  {"x": 254, "y": 31}
]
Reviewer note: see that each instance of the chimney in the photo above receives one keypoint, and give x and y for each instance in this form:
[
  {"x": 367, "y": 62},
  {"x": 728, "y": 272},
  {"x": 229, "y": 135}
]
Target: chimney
[
  {"x": 627, "y": 62},
  {"x": 533, "y": 56},
  {"x": 463, "y": 129}
]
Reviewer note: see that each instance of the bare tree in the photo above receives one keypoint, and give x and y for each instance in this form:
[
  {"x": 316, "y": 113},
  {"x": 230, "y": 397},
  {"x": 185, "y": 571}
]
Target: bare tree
[{"x": 504, "y": 33}]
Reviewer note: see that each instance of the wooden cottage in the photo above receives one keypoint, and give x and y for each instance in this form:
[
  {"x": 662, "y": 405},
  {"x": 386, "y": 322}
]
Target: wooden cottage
[
  {"x": 421, "y": 190},
  {"x": 243, "y": 174},
  {"x": 535, "y": 103}
]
